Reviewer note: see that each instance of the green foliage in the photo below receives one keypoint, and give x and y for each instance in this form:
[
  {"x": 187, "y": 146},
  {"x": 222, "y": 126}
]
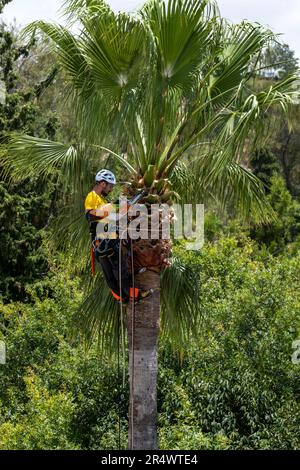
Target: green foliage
[
  {"x": 24, "y": 212},
  {"x": 264, "y": 165},
  {"x": 282, "y": 235},
  {"x": 154, "y": 86},
  {"x": 212, "y": 226},
  {"x": 283, "y": 232},
  {"x": 27, "y": 204},
  {"x": 286, "y": 148},
  {"x": 237, "y": 382},
  {"x": 20, "y": 110},
  {"x": 189, "y": 437},
  {"x": 62, "y": 394},
  {"x": 282, "y": 55},
  {"x": 45, "y": 423},
  {"x": 233, "y": 387}
]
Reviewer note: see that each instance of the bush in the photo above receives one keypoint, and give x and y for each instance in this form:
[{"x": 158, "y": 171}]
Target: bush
[
  {"x": 44, "y": 423},
  {"x": 237, "y": 379},
  {"x": 234, "y": 387}
]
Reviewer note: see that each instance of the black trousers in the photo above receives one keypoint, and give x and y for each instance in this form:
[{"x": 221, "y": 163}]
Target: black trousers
[{"x": 112, "y": 270}]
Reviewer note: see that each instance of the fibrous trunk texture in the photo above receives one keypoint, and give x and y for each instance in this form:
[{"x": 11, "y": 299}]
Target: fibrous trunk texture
[{"x": 143, "y": 331}]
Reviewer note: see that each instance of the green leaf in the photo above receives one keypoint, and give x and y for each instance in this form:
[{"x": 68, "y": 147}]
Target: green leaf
[{"x": 182, "y": 31}]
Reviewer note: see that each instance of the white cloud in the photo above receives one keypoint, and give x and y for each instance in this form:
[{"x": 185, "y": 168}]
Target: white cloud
[{"x": 282, "y": 16}]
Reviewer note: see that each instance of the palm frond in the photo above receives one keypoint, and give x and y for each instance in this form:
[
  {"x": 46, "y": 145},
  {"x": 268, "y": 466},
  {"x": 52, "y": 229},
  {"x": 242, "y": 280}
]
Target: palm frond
[
  {"x": 74, "y": 10},
  {"x": 120, "y": 159},
  {"x": 229, "y": 128},
  {"x": 70, "y": 57},
  {"x": 249, "y": 118},
  {"x": 112, "y": 47},
  {"x": 239, "y": 44},
  {"x": 98, "y": 317},
  {"x": 30, "y": 154},
  {"x": 179, "y": 300},
  {"x": 181, "y": 31},
  {"x": 34, "y": 156},
  {"x": 236, "y": 189}
]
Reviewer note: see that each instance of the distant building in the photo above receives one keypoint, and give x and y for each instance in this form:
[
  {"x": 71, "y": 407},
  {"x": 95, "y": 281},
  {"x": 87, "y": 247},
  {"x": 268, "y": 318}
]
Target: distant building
[{"x": 272, "y": 73}]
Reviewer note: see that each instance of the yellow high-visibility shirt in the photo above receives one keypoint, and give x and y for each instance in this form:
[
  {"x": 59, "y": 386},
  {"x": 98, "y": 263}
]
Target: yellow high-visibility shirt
[{"x": 93, "y": 201}]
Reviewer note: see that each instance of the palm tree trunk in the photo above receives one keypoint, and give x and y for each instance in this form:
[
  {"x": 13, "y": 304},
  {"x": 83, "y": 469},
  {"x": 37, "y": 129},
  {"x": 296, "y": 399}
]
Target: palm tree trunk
[{"x": 143, "y": 365}]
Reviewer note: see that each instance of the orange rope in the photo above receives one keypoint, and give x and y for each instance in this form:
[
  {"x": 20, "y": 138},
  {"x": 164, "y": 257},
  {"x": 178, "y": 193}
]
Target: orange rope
[{"x": 92, "y": 254}]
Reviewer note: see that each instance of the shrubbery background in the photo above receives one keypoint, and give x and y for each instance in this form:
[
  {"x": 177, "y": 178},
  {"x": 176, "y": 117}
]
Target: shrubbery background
[{"x": 235, "y": 387}]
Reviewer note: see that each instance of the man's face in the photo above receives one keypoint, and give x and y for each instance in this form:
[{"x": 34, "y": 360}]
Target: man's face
[{"x": 107, "y": 188}]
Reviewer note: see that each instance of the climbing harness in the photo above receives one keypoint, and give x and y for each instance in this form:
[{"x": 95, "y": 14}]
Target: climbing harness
[{"x": 106, "y": 248}]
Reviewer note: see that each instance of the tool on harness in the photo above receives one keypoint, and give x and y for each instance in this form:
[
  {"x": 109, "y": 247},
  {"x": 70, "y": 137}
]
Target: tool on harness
[
  {"x": 134, "y": 200},
  {"x": 137, "y": 198},
  {"x": 107, "y": 247}
]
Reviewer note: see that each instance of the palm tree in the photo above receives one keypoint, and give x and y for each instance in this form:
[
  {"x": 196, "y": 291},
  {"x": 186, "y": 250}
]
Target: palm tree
[{"x": 167, "y": 93}]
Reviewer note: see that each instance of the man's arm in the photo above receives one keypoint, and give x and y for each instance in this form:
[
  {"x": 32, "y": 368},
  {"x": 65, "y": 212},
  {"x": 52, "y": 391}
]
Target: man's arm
[{"x": 102, "y": 211}]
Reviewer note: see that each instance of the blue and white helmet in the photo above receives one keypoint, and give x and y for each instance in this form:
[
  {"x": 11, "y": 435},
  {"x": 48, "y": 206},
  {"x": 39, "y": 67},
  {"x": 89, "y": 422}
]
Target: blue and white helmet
[{"x": 106, "y": 175}]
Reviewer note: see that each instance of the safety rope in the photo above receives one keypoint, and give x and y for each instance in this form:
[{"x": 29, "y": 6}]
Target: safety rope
[
  {"x": 119, "y": 390},
  {"x": 121, "y": 313},
  {"x": 120, "y": 320},
  {"x": 132, "y": 343},
  {"x": 122, "y": 337}
]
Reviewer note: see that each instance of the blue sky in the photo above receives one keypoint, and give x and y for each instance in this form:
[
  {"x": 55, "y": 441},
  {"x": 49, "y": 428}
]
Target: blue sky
[{"x": 282, "y": 16}]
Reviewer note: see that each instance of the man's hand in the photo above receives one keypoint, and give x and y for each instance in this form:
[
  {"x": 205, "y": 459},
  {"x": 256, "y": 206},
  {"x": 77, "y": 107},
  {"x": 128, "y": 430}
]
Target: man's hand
[
  {"x": 102, "y": 211},
  {"x": 123, "y": 209}
]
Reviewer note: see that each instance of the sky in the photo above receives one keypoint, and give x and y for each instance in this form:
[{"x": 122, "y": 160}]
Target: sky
[{"x": 282, "y": 16}]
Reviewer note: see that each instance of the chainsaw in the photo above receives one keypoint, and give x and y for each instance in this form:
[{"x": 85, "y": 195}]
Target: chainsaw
[{"x": 135, "y": 199}]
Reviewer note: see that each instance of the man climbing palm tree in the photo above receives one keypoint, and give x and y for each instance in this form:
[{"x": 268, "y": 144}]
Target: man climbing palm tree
[{"x": 106, "y": 245}]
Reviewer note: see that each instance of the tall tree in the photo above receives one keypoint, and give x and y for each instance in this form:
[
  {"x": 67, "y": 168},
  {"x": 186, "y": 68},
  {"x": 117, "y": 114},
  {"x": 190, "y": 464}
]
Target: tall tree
[
  {"x": 284, "y": 59},
  {"x": 286, "y": 148},
  {"x": 264, "y": 165},
  {"x": 171, "y": 86},
  {"x": 24, "y": 208}
]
